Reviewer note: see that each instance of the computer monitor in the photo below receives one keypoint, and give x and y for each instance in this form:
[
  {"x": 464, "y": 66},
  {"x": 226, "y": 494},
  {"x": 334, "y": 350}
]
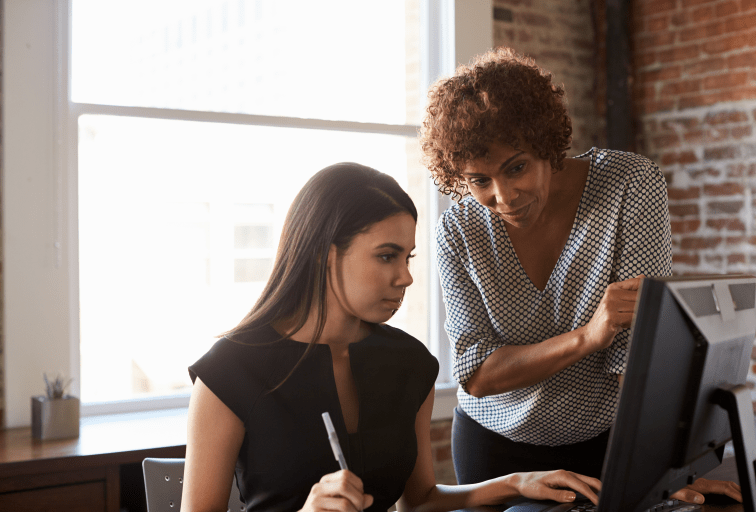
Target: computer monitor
[{"x": 684, "y": 395}]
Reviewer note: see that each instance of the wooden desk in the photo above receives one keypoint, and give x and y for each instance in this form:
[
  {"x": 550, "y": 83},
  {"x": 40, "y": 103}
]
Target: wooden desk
[{"x": 98, "y": 471}]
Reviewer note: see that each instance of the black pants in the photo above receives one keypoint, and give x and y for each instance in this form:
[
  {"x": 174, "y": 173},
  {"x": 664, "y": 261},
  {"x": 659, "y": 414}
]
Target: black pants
[{"x": 480, "y": 454}]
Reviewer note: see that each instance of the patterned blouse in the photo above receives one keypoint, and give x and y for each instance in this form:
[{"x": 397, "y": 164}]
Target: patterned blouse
[{"x": 621, "y": 230}]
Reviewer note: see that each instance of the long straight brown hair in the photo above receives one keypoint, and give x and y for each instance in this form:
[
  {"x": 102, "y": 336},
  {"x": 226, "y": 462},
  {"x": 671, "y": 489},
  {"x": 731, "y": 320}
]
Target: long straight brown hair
[{"x": 336, "y": 204}]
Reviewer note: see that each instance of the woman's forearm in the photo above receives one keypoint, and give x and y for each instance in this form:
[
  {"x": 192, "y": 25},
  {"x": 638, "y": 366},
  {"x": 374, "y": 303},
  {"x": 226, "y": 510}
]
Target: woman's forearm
[
  {"x": 514, "y": 367},
  {"x": 443, "y": 498}
]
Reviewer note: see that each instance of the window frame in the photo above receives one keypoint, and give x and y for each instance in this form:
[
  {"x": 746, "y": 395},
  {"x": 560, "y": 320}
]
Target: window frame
[{"x": 39, "y": 191}]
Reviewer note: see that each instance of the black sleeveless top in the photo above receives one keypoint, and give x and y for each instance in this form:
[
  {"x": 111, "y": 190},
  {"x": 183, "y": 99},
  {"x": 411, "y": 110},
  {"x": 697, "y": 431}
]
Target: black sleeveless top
[{"x": 286, "y": 449}]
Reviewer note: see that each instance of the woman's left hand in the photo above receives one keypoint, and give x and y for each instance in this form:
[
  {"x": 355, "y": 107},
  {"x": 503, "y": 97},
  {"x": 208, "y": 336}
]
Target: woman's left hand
[{"x": 694, "y": 493}]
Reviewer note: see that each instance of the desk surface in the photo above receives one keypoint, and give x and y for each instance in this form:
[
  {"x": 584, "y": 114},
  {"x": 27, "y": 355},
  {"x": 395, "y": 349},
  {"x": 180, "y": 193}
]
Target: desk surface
[{"x": 116, "y": 438}]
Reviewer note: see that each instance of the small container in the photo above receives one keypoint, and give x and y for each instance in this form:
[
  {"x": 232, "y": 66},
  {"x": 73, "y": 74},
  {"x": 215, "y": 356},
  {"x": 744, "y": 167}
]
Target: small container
[{"x": 55, "y": 418}]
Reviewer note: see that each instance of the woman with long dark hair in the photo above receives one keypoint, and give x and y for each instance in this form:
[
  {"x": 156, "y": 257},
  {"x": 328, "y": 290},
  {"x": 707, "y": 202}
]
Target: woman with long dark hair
[{"x": 316, "y": 342}]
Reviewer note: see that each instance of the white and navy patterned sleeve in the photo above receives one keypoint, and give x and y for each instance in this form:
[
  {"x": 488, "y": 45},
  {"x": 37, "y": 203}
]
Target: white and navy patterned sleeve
[
  {"x": 467, "y": 321},
  {"x": 644, "y": 240}
]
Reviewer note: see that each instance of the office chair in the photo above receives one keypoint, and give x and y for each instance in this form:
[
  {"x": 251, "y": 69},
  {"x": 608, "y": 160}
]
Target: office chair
[{"x": 163, "y": 479}]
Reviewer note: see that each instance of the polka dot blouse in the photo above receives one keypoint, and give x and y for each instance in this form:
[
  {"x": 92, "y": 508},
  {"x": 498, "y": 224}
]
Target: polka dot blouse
[{"x": 621, "y": 230}]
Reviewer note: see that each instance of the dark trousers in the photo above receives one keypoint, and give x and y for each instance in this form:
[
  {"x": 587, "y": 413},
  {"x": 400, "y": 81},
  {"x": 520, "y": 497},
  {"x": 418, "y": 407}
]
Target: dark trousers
[{"x": 480, "y": 454}]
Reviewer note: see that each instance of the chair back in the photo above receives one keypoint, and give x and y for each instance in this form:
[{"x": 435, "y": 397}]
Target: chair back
[{"x": 163, "y": 482}]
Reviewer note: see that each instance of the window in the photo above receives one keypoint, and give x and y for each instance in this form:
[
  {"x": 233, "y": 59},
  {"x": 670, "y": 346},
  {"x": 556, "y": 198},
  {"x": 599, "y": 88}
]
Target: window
[{"x": 142, "y": 215}]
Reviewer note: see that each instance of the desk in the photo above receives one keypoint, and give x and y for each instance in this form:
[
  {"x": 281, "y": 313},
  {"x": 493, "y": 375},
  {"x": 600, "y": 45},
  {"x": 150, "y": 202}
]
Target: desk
[{"x": 98, "y": 471}]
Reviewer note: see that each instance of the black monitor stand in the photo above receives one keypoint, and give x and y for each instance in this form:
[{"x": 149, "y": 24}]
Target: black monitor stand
[{"x": 736, "y": 400}]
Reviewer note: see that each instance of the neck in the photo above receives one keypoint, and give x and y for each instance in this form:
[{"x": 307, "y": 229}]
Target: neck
[{"x": 339, "y": 329}]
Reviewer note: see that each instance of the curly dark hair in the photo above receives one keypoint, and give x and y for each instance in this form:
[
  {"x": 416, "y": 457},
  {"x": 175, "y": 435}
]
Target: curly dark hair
[{"x": 499, "y": 97}]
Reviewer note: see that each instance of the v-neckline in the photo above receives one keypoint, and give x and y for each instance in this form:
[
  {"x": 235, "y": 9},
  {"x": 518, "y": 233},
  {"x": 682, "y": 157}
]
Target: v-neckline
[
  {"x": 341, "y": 418},
  {"x": 570, "y": 237}
]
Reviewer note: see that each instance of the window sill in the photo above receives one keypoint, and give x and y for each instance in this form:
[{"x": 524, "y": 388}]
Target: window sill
[{"x": 445, "y": 401}]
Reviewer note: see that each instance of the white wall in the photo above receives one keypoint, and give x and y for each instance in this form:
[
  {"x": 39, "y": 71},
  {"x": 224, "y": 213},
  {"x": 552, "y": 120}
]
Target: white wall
[
  {"x": 40, "y": 325},
  {"x": 36, "y": 274}
]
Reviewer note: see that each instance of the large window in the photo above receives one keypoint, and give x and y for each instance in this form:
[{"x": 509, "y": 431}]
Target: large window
[{"x": 149, "y": 162}]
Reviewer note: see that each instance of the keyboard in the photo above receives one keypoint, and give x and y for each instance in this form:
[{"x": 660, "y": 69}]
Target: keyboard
[{"x": 584, "y": 505}]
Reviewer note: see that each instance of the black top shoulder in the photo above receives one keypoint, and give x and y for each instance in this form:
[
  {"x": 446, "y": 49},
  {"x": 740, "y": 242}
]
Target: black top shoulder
[{"x": 286, "y": 448}]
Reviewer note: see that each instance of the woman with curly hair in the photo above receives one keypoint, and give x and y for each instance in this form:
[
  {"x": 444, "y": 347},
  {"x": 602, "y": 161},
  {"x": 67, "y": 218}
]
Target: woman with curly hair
[{"x": 540, "y": 261}]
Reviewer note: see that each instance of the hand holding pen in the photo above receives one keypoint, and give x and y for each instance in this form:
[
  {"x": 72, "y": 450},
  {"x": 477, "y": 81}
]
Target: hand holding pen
[{"x": 341, "y": 490}]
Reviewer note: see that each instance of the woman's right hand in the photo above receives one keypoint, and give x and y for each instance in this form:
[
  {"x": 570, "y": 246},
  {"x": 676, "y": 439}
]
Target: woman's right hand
[
  {"x": 338, "y": 491},
  {"x": 555, "y": 485},
  {"x": 614, "y": 313}
]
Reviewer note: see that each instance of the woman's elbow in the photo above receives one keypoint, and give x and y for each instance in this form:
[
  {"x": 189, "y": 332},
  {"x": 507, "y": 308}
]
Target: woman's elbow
[{"x": 475, "y": 387}]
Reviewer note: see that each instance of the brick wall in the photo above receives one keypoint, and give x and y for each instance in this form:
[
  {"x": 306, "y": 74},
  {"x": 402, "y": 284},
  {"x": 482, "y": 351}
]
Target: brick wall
[
  {"x": 441, "y": 447},
  {"x": 694, "y": 94},
  {"x": 559, "y": 35}
]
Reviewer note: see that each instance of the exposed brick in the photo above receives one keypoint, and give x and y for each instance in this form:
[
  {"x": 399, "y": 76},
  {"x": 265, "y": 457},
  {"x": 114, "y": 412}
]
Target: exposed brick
[
  {"x": 644, "y": 92},
  {"x": 441, "y": 431},
  {"x": 515, "y": 3},
  {"x": 682, "y": 87},
  {"x": 726, "y": 95},
  {"x": 727, "y": 8},
  {"x": 695, "y": 243},
  {"x": 559, "y": 56},
  {"x": 686, "y": 123},
  {"x": 736, "y": 258},
  {"x": 708, "y": 172},
  {"x": 724, "y": 207},
  {"x": 738, "y": 170},
  {"x": 655, "y": 7},
  {"x": 663, "y": 73},
  {"x": 442, "y": 453},
  {"x": 677, "y": 194},
  {"x": 702, "y": 14},
  {"x": 654, "y": 40},
  {"x": 681, "y": 227},
  {"x": 735, "y": 240},
  {"x": 717, "y": 135},
  {"x": 703, "y": 32},
  {"x": 670, "y": 140},
  {"x": 679, "y": 53},
  {"x": 721, "y": 153},
  {"x": 725, "y": 44},
  {"x": 687, "y": 157},
  {"x": 725, "y": 80},
  {"x": 741, "y": 131},
  {"x": 657, "y": 23},
  {"x": 679, "y": 19},
  {"x": 643, "y": 59},
  {"x": 683, "y": 210},
  {"x": 695, "y": 137},
  {"x": 532, "y": 19},
  {"x": 692, "y": 3},
  {"x": 653, "y": 106},
  {"x": 726, "y": 224},
  {"x": 741, "y": 60},
  {"x": 692, "y": 259},
  {"x": 704, "y": 66},
  {"x": 714, "y": 259},
  {"x": 744, "y": 22},
  {"x": 723, "y": 189}
]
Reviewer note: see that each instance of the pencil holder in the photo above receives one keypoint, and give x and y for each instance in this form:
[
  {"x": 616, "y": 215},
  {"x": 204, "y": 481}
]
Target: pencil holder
[{"x": 56, "y": 418}]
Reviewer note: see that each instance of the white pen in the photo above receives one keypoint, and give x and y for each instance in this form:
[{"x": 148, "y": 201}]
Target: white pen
[{"x": 333, "y": 438}]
